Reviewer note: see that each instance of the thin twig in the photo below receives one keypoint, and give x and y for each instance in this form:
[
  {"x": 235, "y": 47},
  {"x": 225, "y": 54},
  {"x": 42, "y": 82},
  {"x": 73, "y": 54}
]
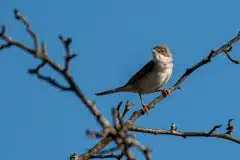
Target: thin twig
[
  {"x": 231, "y": 58},
  {"x": 29, "y": 30},
  {"x": 128, "y": 106},
  {"x": 214, "y": 129},
  {"x": 102, "y": 156}
]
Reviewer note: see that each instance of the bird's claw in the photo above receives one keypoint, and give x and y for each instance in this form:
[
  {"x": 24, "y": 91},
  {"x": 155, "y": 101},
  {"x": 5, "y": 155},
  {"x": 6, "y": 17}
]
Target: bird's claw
[
  {"x": 166, "y": 92},
  {"x": 145, "y": 108}
]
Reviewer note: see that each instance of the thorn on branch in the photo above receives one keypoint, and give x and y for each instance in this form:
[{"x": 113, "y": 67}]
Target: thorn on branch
[
  {"x": 230, "y": 127},
  {"x": 214, "y": 129}
]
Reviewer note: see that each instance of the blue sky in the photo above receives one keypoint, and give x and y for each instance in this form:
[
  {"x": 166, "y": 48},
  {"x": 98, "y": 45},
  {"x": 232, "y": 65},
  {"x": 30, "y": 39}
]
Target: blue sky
[{"x": 114, "y": 40}]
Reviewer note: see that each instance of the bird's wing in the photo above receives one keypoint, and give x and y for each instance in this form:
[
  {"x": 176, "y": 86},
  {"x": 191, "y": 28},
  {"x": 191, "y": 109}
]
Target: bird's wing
[{"x": 141, "y": 73}]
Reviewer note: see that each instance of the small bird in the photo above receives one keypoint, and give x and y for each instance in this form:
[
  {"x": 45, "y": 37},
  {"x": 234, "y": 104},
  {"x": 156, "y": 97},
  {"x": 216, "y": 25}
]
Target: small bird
[{"x": 151, "y": 77}]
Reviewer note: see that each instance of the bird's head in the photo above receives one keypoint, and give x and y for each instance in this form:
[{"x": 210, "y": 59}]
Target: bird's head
[{"x": 161, "y": 53}]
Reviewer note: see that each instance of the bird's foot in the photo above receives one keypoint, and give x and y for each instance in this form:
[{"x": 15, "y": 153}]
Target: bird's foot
[
  {"x": 145, "y": 108},
  {"x": 166, "y": 92}
]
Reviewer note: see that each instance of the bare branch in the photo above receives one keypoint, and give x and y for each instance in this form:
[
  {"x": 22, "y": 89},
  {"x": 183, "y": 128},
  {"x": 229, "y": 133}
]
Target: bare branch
[
  {"x": 74, "y": 87},
  {"x": 102, "y": 156},
  {"x": 95, "y": 149},
  {"x": 29, "y": 30},
  {"x": 184, "y": 134},
  {"x": 111, "y": 150},
  {"x": 94, "y": 134},
  {"x": 144, "y": 149},
  {"x": 67, "y": 42},
  {"x": 48, "y": 79}
]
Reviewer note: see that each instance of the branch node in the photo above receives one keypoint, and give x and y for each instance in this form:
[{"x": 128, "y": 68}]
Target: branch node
[
  {"x": 209, "y": 58},
  {"x": 230, "y": 127},
  {"x": 214, "y": 129},
  {"x": 229, "y": 49},
  {"x": 173, "y": 127},
  {"x": 188, "y": 71}
]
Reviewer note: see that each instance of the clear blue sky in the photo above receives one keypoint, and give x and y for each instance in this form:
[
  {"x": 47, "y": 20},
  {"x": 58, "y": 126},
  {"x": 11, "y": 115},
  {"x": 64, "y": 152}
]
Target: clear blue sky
[{"x": 114, "y": 41}]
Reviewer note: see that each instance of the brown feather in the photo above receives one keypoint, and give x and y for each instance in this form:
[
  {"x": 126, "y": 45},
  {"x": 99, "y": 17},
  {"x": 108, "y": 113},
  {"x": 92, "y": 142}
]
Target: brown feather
[{"x": 141, "y": 73}]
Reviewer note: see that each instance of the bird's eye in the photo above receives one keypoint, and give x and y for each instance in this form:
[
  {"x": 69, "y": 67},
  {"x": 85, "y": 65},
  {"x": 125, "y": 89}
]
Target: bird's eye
[{"x": 161, "y": 50}]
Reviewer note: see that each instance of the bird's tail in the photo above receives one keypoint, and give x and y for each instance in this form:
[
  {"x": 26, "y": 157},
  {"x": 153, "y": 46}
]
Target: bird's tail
[{"x": 119, "y": 89}]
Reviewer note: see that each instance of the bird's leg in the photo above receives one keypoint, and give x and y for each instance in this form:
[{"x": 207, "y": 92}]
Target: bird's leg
[
  {"x": 165, "y": 91},
  {"x": 145, "y": 106}
]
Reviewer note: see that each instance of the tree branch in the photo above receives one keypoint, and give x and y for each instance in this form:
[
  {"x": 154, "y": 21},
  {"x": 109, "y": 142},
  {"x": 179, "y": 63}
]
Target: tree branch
[
  {"x": 46, "y": 60},
  {"x": 102, "y": 156},
  {"x": 185, "y": 134}
]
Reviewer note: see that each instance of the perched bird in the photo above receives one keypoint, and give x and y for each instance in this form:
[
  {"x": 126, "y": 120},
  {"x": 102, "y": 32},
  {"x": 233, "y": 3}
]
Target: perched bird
[{"x": 151, "y": 77}]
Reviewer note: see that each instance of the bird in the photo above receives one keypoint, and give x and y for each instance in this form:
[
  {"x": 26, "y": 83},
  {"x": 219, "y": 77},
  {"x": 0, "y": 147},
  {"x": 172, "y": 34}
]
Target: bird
[{"x": 151, "y": 77}]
